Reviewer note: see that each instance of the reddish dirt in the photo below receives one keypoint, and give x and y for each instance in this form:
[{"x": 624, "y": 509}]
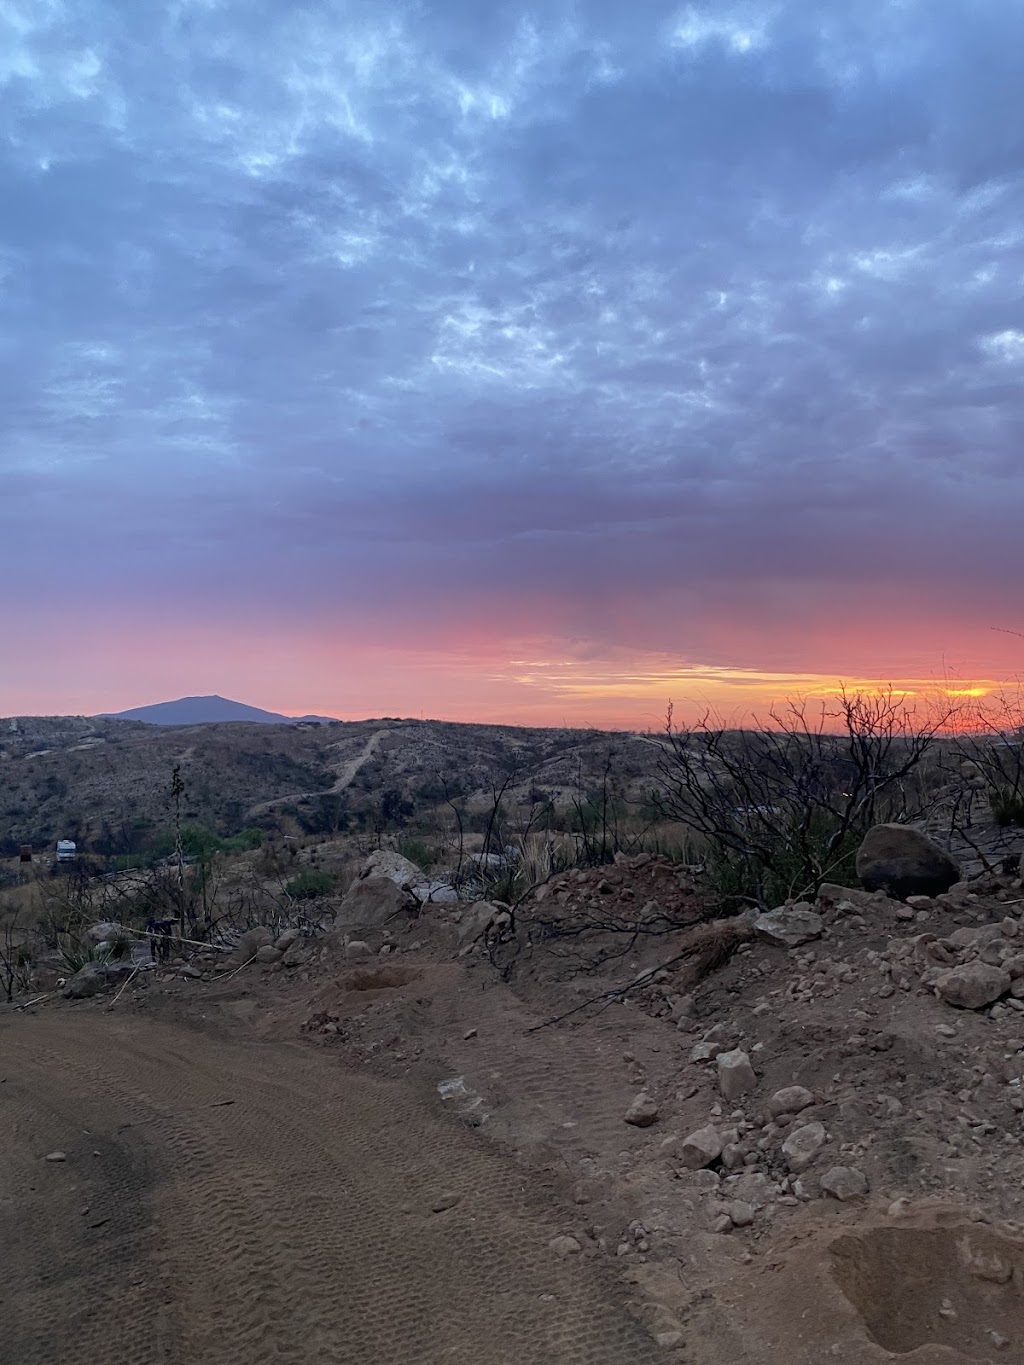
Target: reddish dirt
[{"x": 364, "y": 1088}]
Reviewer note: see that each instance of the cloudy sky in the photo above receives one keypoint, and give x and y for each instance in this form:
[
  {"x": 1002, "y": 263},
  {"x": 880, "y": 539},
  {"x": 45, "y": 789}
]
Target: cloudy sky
[{"x": 508, "y": 361}]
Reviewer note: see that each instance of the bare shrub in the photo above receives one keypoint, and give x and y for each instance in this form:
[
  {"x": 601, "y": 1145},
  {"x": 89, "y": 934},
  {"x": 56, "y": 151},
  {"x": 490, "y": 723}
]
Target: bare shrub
[{"x": 783, "y": 806}]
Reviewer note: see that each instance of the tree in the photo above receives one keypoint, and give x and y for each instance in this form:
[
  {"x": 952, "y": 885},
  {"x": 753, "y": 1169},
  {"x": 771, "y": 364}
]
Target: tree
[{"x": 783, "y": 806}]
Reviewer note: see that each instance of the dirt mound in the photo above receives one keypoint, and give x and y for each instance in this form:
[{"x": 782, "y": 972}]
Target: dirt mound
[{"x": 380, "y": 978}]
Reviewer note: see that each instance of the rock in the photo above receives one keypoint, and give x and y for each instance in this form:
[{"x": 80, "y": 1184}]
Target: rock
[
  {"x": 356, "y": 948},
  {"x": 735, "y": 1074},
  {"x": 249, "y": 945},
  {"x": 564, "y": 1246},
  {"x": 435, "y": 893},
  {"x": 88, "y": 980},
  {"x": 105, "y": 932},
  {"x": 833, "y": 894},
  {"x": 741, "y": 1214},
  {"x": 297, "y": 954},
  {"x": 705, "y": 1052},
  {"x": 268, "y": 953},
  {"x": 95, "y": 977},
  {"x": 803, "y": 1145},
  {"x": 789, "y": 925},
  {"x": 372, "y": 902},
  {"x": 642, "y": 1112},
  {"x": 701, "y": 1148},
  {"x": 286, "y": 940},
  {"x": 790, "y": 1100},
  {"x": 445, "y": 1201},
  {"x": 973, "y": 986},
  {"x": 386, "y": 863},
  {"x": 845, "y": 1182},
  {"x": 904, "y": 862},
  {"x": 55, "y": 1156},
  {"x": 702, "y": 1179},
  {"x": 477, "y": 919}
]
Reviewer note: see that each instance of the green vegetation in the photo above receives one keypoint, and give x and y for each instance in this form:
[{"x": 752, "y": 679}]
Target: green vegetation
[
  {"x": 1007, "y": 806},
  {"x": 310, "y": 884},
  {"x": 418, "y": 852}
]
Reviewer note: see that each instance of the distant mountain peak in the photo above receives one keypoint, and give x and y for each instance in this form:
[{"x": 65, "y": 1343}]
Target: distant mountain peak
[{"x": 207, "y": 711}]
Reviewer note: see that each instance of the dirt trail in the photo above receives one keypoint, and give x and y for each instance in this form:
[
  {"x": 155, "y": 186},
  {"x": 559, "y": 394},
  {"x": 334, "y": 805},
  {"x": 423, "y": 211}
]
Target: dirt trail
[
  {"x": 343, "y": 780},
  {"x": 229, "y": 1200}
]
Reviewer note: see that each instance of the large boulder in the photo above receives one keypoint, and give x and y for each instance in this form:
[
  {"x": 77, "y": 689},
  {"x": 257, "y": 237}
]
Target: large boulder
[
  {"x": 249, "y": 945},
  {"x": 477, "y": 920},
  {"x": 95, "y": 977},
  {"x": 106, "y": 934},
  {"x": 372, "y": 902},
  {"x": 974, "y": 985},
  {"x": 904, "y": 862},
  {"x": 386, "y": 863}
]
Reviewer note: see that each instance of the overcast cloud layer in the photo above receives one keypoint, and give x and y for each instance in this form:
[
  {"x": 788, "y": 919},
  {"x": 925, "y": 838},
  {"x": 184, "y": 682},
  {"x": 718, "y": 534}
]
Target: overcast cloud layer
[{"x": 688, "y": 330}]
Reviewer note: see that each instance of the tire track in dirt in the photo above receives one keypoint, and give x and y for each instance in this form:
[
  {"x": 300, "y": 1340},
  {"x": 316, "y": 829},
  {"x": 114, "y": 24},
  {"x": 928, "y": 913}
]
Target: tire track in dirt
[{"x": 291, "y": 1226}]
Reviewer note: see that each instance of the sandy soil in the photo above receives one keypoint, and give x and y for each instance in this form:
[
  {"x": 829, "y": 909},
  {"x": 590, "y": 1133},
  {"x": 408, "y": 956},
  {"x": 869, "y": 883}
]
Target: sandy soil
[
  {"x": 226, "y": 1200},
  {"x": 368, "y": 1157}
]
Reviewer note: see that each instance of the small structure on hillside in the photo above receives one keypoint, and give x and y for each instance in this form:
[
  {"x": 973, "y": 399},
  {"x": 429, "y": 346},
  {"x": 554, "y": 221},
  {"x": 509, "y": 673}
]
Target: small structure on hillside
[
  {"x": 25, "y": 853},
  {"x": 67, "y": 850}
]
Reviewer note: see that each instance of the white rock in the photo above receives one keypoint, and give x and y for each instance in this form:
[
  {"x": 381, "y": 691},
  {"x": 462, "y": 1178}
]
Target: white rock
[
  {"x": 735, "y": 1074},
  {"x": 357, "y": 948},
  {"x": 564, "y": 1246},
  {"x": 803, "y": 1145}
]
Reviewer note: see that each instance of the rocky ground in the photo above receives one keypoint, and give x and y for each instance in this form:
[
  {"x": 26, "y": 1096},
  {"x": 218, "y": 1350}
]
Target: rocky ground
[{"x": 789, "y": 1137}]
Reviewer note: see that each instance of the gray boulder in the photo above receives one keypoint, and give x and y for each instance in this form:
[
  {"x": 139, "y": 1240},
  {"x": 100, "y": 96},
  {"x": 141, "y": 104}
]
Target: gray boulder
[
  {"x": 249, "y": 945},
  {"x": 372, "y": 902},
  {"x": 904, "y": 862},
  {"x": 789, "y": 925},
  {"x": 974, "y": 985},
  {"x": 106, "y": 932},
  {"x": 701, "y": 1148},
  {"x": 386, "y": 863},
  {"x": 477, "y": 920},
  {"x": 95, "y": 977},
  {"x": 803, "y": 1145},
  {"x": 845, "y": 1183}
]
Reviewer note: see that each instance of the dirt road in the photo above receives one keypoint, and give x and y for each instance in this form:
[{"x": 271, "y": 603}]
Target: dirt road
[{"x": 226, "y": 1200}]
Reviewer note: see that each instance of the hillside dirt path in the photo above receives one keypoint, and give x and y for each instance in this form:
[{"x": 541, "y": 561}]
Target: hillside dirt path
[
  {"x": 343, "y": 780},
  {"x": 226, "y": 1200}
]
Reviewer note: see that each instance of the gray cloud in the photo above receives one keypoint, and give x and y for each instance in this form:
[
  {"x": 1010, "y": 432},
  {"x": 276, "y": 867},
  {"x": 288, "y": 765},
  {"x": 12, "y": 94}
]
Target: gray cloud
[{"x": 468, "y": 301}]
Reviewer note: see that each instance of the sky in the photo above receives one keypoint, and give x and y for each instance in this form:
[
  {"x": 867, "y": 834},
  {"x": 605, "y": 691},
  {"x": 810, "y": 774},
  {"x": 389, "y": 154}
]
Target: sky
[{"x": 528, "y": 363}]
